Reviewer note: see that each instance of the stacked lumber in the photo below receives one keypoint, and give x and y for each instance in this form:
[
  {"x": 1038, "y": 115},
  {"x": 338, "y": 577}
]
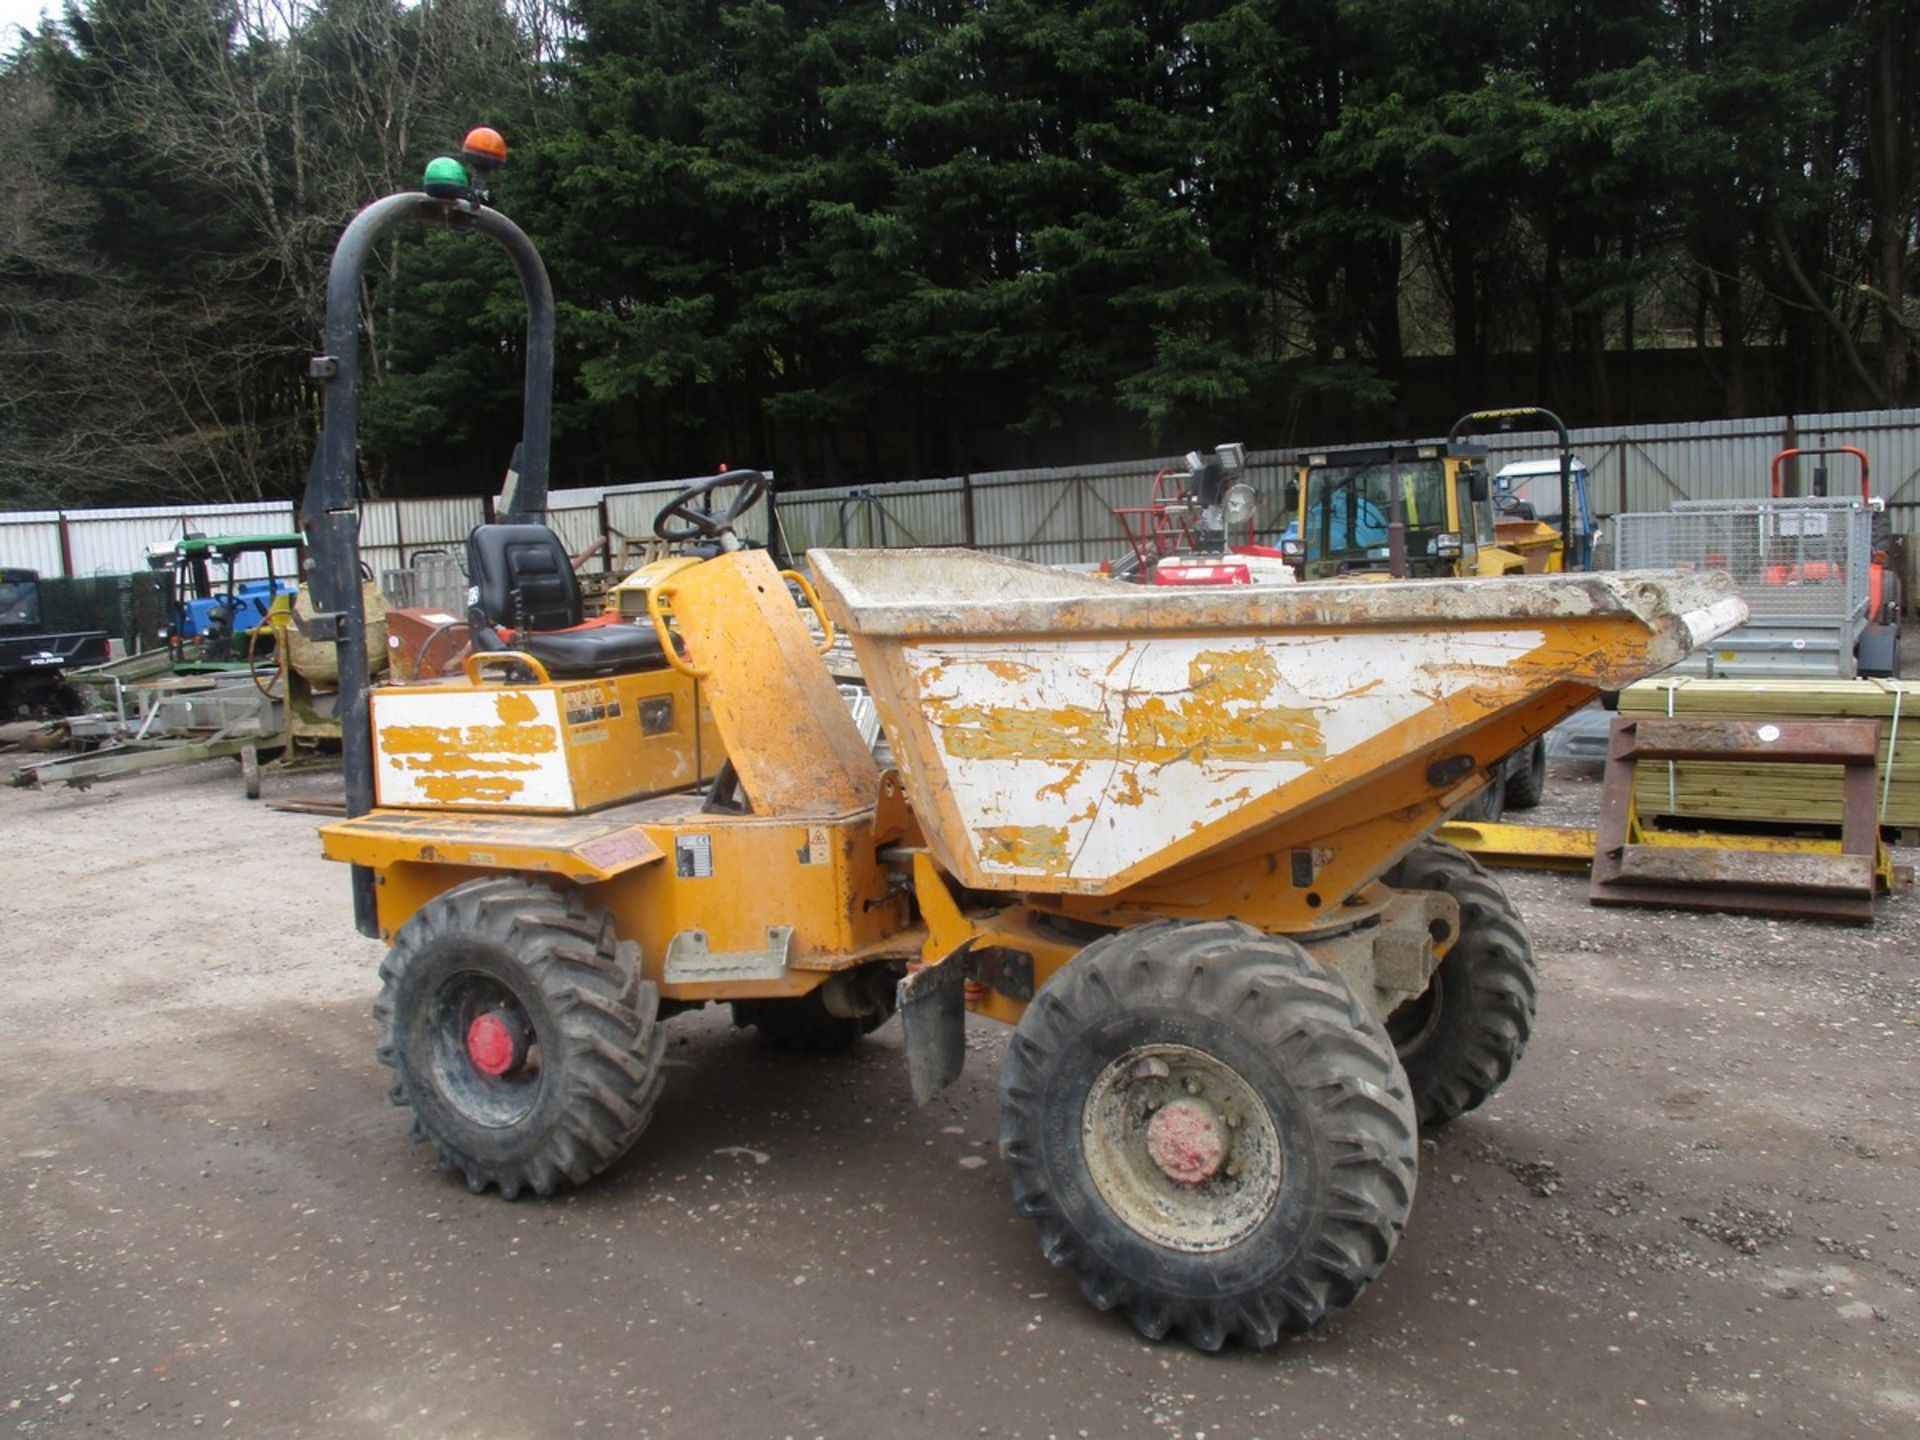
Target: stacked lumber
[{"x": 1790, "y": 794}]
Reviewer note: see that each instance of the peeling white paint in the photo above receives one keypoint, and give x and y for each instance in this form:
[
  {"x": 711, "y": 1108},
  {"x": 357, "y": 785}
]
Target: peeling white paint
[
  {"x": 1356, "y": 686},
  {"x": 473, "y": 721}
]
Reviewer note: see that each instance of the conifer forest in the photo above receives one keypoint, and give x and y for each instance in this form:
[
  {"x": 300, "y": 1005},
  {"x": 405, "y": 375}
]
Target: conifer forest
[{"x": 863, "y": 240}]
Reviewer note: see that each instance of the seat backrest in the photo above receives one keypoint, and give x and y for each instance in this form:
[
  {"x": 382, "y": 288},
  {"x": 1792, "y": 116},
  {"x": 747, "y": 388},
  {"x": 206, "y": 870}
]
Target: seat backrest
[{"x": 523, "y": 576}]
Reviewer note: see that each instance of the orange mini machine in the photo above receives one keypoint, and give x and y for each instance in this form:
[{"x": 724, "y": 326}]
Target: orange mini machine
[{"x": 1177, "y": 837}]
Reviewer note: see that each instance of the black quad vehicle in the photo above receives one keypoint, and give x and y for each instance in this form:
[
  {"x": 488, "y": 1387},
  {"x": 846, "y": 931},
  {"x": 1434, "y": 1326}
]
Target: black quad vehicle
[{"x": 33, "y": 661}]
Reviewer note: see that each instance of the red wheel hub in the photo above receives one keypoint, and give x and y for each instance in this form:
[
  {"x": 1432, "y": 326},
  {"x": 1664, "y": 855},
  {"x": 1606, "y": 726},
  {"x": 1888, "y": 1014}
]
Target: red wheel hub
[
  {"x": 1187, "y": 1141},
  {"x": 493, "y": 1045}
]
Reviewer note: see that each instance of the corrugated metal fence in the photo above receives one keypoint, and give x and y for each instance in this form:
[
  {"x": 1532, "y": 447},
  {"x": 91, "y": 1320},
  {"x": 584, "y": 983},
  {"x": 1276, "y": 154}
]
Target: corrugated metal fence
[
  {"x": 78, "y": 544},
  {"x": 1055, "y": 516},
  {"x": 1066, "y": 516},
  {"x": 85, "y": 543}
]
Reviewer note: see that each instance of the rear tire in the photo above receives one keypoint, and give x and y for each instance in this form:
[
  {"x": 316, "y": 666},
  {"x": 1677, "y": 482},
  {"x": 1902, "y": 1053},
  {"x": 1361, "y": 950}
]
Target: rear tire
[
  {"x": 1527, "y": 786},
  {"x": 1306, "y": 1171},
  {"x": 583, "y": 1066},
  {"x": 1460, "y": 1039}
]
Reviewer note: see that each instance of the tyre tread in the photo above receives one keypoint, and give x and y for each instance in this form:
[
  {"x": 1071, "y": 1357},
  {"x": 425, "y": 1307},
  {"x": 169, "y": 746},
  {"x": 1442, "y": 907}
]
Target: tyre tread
[
  {"x": 608, "y": 1015},
  {"x": 1525, "y": 790},
  {"x": 1495, "y": 957},
  {"x": 1275, "y": 990}
]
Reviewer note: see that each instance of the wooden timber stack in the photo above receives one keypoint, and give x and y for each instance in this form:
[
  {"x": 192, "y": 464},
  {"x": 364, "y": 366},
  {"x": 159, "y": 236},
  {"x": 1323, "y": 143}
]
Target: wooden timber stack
[{"x": 1780, "y": 793}]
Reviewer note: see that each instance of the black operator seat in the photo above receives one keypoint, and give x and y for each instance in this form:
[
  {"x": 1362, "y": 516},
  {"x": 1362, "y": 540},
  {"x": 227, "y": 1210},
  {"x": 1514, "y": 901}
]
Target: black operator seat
[{"x": 522, "y": 581}]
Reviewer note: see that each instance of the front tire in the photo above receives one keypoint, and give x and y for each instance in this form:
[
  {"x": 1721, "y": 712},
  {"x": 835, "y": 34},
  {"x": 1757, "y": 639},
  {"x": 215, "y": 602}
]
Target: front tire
[
  {"x": 1212, "y": 1133},
  {"x": 1460, "y": 1039},
  {"x": 520, "y": 1034}
]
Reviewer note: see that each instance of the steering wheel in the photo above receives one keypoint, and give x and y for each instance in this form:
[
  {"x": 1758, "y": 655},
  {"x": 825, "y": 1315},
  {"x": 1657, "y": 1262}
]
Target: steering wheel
[
  {"x": 254, "y": 658},
  {"x": 704, "y": 523}
]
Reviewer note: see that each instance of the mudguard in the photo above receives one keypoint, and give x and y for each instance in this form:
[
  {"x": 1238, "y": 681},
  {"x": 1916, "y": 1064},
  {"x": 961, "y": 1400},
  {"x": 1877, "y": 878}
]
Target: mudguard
[{"x": 933, "y": 1017}]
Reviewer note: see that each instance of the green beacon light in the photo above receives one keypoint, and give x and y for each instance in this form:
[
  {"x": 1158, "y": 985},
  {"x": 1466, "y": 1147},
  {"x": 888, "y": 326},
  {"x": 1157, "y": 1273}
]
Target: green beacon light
[{"x": 446, "y": 179}]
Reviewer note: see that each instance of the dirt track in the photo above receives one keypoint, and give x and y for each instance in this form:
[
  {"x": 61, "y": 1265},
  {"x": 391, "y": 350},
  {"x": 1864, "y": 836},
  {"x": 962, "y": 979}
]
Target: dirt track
[{"x": 1695, "y": 1211}]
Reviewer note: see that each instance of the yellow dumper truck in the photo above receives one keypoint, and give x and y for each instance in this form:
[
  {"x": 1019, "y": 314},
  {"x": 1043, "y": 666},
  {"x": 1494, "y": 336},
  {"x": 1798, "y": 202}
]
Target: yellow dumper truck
[{"x": 1178, "y": 839}]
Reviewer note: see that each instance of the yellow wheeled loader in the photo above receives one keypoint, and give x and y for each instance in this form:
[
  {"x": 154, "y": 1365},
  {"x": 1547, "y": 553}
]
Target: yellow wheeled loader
[
  {"x": 1177, "y": 838},
  {"x": 1428, "y": 509}
]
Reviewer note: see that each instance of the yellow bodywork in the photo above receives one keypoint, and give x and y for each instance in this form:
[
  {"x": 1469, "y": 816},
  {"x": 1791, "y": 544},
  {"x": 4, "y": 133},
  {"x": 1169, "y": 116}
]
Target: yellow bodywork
[
  {"x": 1128, "y": 750},
  {"x": 548, "y": 746},
  {"x": 668, "y": 873},
  {"x": 830, "y": 866},
  {"x": 722, "y": 905},
  {"x": 1523, "y": 547},
  {"x": 628, "y": 599}
]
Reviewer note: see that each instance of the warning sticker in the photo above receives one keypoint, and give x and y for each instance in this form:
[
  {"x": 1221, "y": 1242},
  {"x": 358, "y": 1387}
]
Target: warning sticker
[
  {"x": 588, "y": 704},
  {"x": 693, "y": 856},
  {"x": 818, "y": 852}
]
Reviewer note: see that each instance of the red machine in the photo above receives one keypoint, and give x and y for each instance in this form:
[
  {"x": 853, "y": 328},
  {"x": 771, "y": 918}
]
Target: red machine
[{"x": 1184, "y": 534}]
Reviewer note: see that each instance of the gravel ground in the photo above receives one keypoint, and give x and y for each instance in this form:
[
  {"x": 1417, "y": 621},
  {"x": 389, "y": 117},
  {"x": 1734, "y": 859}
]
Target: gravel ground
[{"x": 1693, "y": 1212}]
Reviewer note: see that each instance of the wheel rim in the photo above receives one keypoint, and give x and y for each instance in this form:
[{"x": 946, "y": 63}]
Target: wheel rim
[
  {"x": 1181, "y": 1148},
  {"x": 1414, "y": 1022},
  {"x": 483, "y": 1050}
]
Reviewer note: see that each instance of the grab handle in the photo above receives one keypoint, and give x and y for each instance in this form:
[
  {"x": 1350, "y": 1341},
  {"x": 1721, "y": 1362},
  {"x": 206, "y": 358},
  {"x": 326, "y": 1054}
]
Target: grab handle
[
  {"x": 827, "y": 633},
  {"x": 658, "y": 610},
  {"x": 485, "y": 659}
]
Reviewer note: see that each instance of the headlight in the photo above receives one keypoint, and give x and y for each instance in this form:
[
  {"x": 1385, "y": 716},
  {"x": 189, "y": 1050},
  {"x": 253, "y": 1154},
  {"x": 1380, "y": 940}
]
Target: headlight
[
  {"x": 1446, "y": 543},
  {"x": 1237, "y": 505},
  {"x": 1293, "y": 549}
]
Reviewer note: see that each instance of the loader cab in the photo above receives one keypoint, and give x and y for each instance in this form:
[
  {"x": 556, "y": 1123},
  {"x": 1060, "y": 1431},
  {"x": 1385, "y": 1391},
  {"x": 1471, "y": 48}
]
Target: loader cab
[{"x": 1346, "y": 502}]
